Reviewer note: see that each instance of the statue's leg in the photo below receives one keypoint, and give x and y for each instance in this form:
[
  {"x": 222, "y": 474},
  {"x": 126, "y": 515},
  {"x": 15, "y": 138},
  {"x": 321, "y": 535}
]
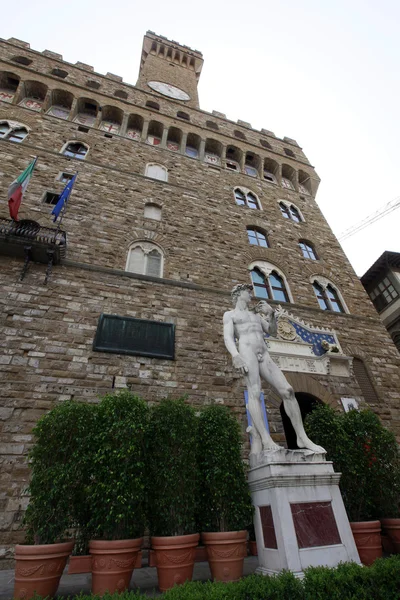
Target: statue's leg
[
  {"x": 259, "y": 430},
  {"x": 276, "y": 379}
]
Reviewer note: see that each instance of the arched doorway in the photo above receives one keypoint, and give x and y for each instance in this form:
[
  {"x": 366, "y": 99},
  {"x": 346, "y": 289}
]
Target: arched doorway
[{"x": 307, "y": 403}]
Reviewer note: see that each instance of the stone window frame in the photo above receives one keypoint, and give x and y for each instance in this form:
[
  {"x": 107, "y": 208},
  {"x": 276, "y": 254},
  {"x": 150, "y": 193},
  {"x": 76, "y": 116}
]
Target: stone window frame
[
  {"x": 266, "y": 269},
  {"x": 308, "y": 251},
  {"x": 60, "y": 175},
  {"x": 150, "y": 204},
  {"x": 289, "y": 213},
  {"x": 13, "y": 127},
  {"x": 65, "y": 146},
  {"x": 246, "y": 191},
  {"x": 162, "y": 167},
  {"x": 324, "y": 283},
  {"x": 257, "y": 231},
  {"x": 146, "y": 247}
]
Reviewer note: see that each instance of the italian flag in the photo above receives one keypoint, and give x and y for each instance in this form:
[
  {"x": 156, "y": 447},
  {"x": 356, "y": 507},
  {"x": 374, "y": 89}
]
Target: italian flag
[{"x": 17, "y": 189}]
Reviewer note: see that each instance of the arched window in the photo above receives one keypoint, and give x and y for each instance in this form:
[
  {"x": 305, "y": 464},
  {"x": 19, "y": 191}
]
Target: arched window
[
  {"x": 239, "y": 134},
  {"x": 327, "y": 295},
  {"x": 77, "y": 150},
  {"x": 153, "y": 105},
  {"x": 59, "y": 73},
  {"x": 284, "y": 210},
  {"x": 271, "y": 170},
  {"x": 182, "y": 115},
  {"x": 192, "y": 145},
  {"x": 289, "y": 152},
  {"x": 212, "y": 125},
  {"x": 270, "y": 287},
  {"x": 9, "y": 83},
  {"x": 288, "y": 177},
  {"x": 290, "y": 211},
  {"x": 22, "y": 60},
  {"x": 257, "y": 237},
  {"x": 152, "y": 211},
  {"x": 121, "y": 94},
  {"x": 156, "y": 172},
  {"x": 87, "y": 110},
  {"x": 364, "y": 381},
  {"x": 266, "y": 144},
  {"x": 12, "y": 131},
  {"x": 146, "y": 259},
  {"x": 308, "y": 250},
  {"x": 61, "y": 103},
  {"x": 34, "y": 94},
  {"x": 111, "y": 119},
  {"x": 135, "y": 127},
  {"x": 246, "y": 198}
]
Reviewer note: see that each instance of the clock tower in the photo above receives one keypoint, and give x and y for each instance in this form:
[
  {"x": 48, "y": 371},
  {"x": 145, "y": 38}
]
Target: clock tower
[{"x": 170, "y": 69}]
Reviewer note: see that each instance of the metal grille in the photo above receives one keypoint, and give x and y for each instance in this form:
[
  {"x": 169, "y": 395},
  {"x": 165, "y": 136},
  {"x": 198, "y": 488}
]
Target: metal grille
[{"x": 364, "y": 381}]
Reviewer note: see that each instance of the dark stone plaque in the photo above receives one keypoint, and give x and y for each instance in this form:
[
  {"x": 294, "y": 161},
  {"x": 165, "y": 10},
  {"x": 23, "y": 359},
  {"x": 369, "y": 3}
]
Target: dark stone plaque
[
  {"x": 267, "y": 524},
  {"x": 125, "y": 335},
  {"x": 315, "y": 524}
]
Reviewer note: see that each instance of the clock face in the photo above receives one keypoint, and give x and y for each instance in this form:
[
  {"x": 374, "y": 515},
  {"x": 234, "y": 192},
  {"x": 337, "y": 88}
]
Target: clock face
[{"x": 168, "y": 90}]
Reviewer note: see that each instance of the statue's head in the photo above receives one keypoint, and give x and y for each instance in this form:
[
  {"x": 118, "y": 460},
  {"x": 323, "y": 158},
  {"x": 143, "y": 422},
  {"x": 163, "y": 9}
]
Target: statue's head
[{"x": 238, "y": 289}]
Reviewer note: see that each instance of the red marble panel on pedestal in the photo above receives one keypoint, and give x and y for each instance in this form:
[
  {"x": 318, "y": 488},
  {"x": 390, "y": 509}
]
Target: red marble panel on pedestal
[
  {"x": 267, "y": 524},
  {"x": 315, "y": 524}
]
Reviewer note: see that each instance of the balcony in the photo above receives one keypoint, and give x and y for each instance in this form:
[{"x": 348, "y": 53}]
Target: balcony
[{"x": 33, "y": 242}]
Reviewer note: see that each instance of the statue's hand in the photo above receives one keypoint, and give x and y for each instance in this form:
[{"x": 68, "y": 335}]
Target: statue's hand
[{"x": 239, "y": 364}]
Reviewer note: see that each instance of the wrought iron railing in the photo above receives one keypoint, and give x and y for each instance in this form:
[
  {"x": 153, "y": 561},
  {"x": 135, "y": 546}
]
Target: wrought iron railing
[
  {"x": 32, "y": 231},
  {"x": 33, "y": 242}
]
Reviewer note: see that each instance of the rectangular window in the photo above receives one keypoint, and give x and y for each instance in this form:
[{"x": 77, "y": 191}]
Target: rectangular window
[
  {"x": 137, "y": 337},
  {"x": 65, "y": 177},
  {"x": 51, "y": 198}
]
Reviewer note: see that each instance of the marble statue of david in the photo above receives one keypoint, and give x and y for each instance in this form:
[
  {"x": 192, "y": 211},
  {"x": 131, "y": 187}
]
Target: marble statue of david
[{"x": 252, "y": 360}]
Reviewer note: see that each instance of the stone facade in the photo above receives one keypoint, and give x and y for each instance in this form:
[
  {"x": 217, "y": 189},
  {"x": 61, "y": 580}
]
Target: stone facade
[{"x": 47, "y": 330}]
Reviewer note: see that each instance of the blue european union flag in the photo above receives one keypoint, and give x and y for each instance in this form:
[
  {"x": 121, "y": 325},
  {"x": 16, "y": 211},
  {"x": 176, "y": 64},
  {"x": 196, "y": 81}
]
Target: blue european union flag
[{"x": 63, "y": 198}]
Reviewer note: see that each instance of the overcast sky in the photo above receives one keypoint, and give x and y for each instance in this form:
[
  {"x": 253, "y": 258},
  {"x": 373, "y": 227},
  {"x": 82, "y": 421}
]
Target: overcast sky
[{"x": 325, "y": 73}]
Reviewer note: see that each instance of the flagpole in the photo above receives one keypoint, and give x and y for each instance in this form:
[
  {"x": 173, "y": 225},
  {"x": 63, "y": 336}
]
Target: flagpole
[
  {"x": 51, "y": 251},
  {"x": 64, "y": 208}
]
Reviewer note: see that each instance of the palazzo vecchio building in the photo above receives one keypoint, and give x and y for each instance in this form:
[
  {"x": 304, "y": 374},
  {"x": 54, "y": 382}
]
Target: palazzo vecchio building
[{"x": 171, "y": 208}]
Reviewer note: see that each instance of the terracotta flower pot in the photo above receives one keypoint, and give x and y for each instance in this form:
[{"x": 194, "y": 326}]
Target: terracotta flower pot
[
  {"x": 367, "y": 537},
  {"x": 253, "y": 548},
  {"x": 80, "y": 564},
  {"x": 174, "y": 559},
  {"x": 113, "y": 562},
  {"x": 391, "y": 528},
  {"x": 226, "y": 552},
  {"x": 38, "y": 569},
  {"x": 387, "y": 545}
]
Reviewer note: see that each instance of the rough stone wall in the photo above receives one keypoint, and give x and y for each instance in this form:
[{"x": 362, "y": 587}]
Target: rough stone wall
[{"x": 47, "y": 332}]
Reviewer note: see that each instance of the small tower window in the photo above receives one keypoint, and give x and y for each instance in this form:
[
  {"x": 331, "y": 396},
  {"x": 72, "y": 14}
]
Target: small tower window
[
  {"x": 157, "y": 172},
  {"x": 308, "y": 250},
  {"x": 75, "y": 150},
  {"x": 257, "y": 237}
]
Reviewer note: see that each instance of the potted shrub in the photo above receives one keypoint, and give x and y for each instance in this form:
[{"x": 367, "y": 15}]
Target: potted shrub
[
  {"x": 225, "y": 508},
  {"x": 116, "y": 491},
  {"x": 56, "y": 476},
  {"x": 367, "y": 456},
  {"x": 171, "y": 490}
]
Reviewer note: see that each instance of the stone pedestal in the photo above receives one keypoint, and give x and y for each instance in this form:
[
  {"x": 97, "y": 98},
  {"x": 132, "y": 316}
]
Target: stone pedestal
[{"x": 300, "y": 520}]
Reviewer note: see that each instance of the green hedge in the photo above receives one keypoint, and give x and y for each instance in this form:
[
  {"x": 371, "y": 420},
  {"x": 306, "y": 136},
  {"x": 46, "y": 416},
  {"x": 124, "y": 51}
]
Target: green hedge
[{"x": 348, "y": 581}]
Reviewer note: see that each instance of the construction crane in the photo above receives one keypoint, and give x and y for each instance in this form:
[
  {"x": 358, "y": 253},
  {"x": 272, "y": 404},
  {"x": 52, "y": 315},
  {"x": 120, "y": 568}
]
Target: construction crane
[{"x": 381, "y": 212}]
